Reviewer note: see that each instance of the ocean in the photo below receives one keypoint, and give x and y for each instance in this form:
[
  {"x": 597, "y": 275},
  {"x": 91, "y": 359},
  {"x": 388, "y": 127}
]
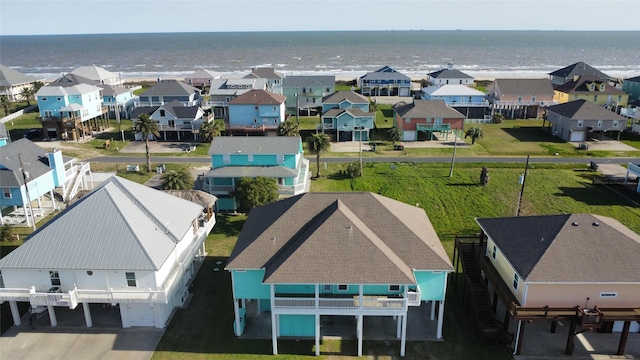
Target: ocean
[{"x": 345, "y": 54}]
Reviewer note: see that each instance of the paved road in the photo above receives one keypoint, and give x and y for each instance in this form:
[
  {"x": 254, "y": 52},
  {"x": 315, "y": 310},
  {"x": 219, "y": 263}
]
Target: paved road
[{"x": 547, "y": 160}]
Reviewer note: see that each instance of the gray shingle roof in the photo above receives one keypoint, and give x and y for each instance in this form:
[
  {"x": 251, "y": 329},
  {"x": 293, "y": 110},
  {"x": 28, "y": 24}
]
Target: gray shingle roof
[
  {"x": 265, "y": 73},
  {"x": 34, "y": 159},
  {"x": 376, "y": 75},
  {"x": 252, "y": 171},
  {"x": 522, "y": 86},
  {"x": 179, "y": 110},
  {"x": 340, "y": 96},
  {"x": 581, "y": 69},
  {"x": 68, "y": 80},
  {"x": 633, "y": 79},
  {"x": 449, "y": 74},
  {"x": 339, "y": 238},
  {"x": 255, "y": 145},
  {"x": 584, "y": 110},
  {"x": 427, "y": 108},
  {"x": 10, "y": 77},
  {"x": 259, "y": 97},
  {"x": 580, "y": 86},
  {"x": 121, "y": 225},
  {"x": 551, "y": 248},
  {"x": 311, "y": 80},
  {"x": 170, "y": 88},
  {"x": 354, "y": 112}
]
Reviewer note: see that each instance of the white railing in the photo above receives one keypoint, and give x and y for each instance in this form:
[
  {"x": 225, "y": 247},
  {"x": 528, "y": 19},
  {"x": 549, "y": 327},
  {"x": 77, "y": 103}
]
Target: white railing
[
  {"x": 413, "y": 298},
  {"x": 630, "y": 112},
  {"x": 54, "y": 299},
  {"x": 121, "y": 296},
  {"x": 522, "y": 103},
  {"x": 7, "y": 294},
  {"x": 467, "y": 103},
  {"x": 355, "y": 303},
  {"x": 75, "y": 175},
  {"x": 634, "y": 168}
]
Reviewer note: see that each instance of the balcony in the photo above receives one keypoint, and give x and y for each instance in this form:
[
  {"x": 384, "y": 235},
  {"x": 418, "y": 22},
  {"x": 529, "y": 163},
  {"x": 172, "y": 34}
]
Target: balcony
[
  {"x": 353, "y": 305},
  {"x": 121, "y": 296}
]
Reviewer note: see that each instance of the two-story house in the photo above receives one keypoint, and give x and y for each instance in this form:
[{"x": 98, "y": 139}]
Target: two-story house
[
  {"x": 385, "y": 82},
  {"x": 256, "y": 111},
  {"x": 468, "y": 101},
  {"x": 306, "y": 92},
  {"x": 71, "y": 112},
  {"x": 202, "y": 78},
  {"x": 123, "y": 245},
  {"x": 574, "y": 71},
  {"x": 520, "y": 98},
  {"x": 593, "y": 89},
  {"x": 632, "y": 87},
  {"x": 346, "y": 113},
  {"x": 232, "y": 158},
  {"x": 319, "y": 256},
  {"x": 175, "y": 121},
  {"x": 29, "y": 177},
  {"x": 165, "y": 91},
  {"x": 582, "y": 120},
  {"x": 222, "y": 91},
  {"x": 12, "y": 82},
  {"x": 98, "y": 74},
  {"x": 426, "y": 120},
  {"x": 450, "y": 76},
  {"x": 271, "y": 75}
]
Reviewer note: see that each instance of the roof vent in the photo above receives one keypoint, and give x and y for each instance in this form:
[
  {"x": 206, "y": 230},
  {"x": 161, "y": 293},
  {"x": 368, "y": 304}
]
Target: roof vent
[
  {"x": 575, "y": 223},
  {"x": 273, "y": 238},
  {"x": 595, "y": 223}
]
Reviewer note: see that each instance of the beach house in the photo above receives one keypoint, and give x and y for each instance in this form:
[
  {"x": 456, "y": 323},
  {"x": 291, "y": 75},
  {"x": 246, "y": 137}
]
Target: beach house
[
  {"x": 175, "y": 121},
  {"x": 12, "y": 82},
  {"x": 346, "y": 114},
  {"x": 574, "y": 71},
  {"x": 468, "y": 101},
  {"x": 232, "y": 158},
  {"x": 222, "y": 91},
  {"x": 426, "y": 120},
  {"x": 450, "y": 76},
  {"x": 593, "y": 89},
  {"x": 202, "y": 78},
  {"x": 98, "y": 74},
  {"x": 520, "y": 98},
  {"x": 385, "y": 82},
  {"x": 582, "y": 120},
  {"x": 256, "y": 112},
  {"x": 165, "y": 91},
  {"x": 271, "y": 75},
  {"x": 306, "y": 92},
  {"x": 319, "y": 258}
]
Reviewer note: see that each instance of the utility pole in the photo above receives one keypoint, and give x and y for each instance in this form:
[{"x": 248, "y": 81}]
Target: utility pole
[
  {"x": 524, "y": 181},
  {"x": 25, "y": 176},
  {"x": 453, "y": 159}
]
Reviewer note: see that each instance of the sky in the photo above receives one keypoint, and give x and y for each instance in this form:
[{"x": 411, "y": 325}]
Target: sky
[{"x": 31, "y": 17}]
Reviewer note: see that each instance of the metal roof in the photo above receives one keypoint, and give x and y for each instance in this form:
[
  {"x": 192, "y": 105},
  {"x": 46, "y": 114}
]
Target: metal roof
[
  {"x": 269, "y": 145},
  {"x": 452, "y": 90},
  {"x": 94, "y": 73},
  {"x": 10, "y": 77},
  {"x": 121, "y": 225},
  {"x": 170, "y": 88}
]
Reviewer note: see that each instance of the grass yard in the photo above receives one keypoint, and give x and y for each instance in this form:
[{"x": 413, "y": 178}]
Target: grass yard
[{"x": 204, "y": 330}]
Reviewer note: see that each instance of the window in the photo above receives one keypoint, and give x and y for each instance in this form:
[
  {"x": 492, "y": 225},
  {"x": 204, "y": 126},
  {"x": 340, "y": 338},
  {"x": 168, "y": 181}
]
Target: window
[
  {"x": 275, "y": 108},
  {"x": 575, "y": 97},
  {"x": 407, "y": 120},
  {"x": 6, "y": 192},
  {"x": 608, "y": 295},
  {"x": 519, "y": 98},
  {"x": 615, "y": 123},
  {"x": 394, "y": 288},
  {"x": 343, "y": 287},
  {"x": 595, "y": 97},
  {"x": 44, "y": 99},
  {"x": 172, "y": 123},
  {"x": 256, "y": 107},
  {"x": 161, "y": 112},
  {"x": 599, "y": 123},
  {"x": 461, "y": 82},
  {"x": 515, "y": 281},
  {"x": 304, "y": 90},
  {"x": 55, "y": 278},
  {"x": 227, "y": 99},
  {"x": 131, "y": 279},
  {"x": 619, "y": 97},
  {"x": 250, "y": 157},
  {"x": 533, "y": 98},
  {"x": 326, "y": 287},
  {"x": 280, "y": 181},
  {"x": 495, "y": 252},
  {"x": 580, "y": 123},
  {"x": 59, "y": 99}
]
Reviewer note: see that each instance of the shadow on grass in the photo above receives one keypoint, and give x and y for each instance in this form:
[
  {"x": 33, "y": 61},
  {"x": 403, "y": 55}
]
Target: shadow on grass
[
  {"x": 532, "y": 134},
  {"x": 229, "y": 224},
  {"x": 601, "y": 194}
]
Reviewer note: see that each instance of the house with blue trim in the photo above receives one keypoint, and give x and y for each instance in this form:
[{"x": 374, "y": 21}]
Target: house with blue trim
[
  {"x": 232, "y": 158},
  {"x": 256, "y": 111},
  {"x": 175, "y": 121},
  {"x": 346, "y": 114},
  {"x": 30, "y": 175},
  {"x": 450, "y": 76},
  {"x": 222, "y": 91},
  {"x": 306, "y": 92},
  {"x": 165, "y": 91},
  {"x": 468, "y": 101},
  {"x": 319, "y": 256},
  {"x": 385, "y": 82}
]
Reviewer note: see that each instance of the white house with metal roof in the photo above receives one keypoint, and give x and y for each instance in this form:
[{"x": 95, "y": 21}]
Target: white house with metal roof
[
  {"x": 98, "y": 74},
  {"x": 12, "y": 82},
  {"x": 123, "y": 244}
]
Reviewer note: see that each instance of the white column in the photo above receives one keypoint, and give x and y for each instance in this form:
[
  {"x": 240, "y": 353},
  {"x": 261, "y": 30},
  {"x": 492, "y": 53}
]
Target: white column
[
  {"x": 52, "y": 315},
  {"x": 159, "y": 314},
  {"x": 360, "y": 325},
  {"x": 361, "y": 294},
  {"x": 53, "y": 200},
  {"x": 15, "y": 313},
  {"x": 87, "y": 314},
  {"x": 399, "y": 326},
  {"x": 274, "y": 321},
  {"x": 433, "y": 309},
  {"x": 237, "y": 316},
  {"x": 244, "y": 303},
  {"x": 317, "y": 332},
  {"x": 440, "y": 320},
  {"x": 403, "y": 341}
]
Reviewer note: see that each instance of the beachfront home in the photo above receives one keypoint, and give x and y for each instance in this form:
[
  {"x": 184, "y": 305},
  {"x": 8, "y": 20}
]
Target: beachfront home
[
  {"x": 165, "y": 91},
  {"x": 592, "y": 89},
  {"x": 175, "y": 121},
  {"x": 578, "y": 269},
  {"x": 136, "y": 250},
  {"x": 202, "y": 78},
  {"x": 468, "y": 101},
  {"x": 222, "y": 91},
  {"x": 98, "y": 74},
  {"x": 426, "y": 120},
  {"x": 385, "y": 82},
  {"x": 29, "y": 174},
  {"x": 632, "y": 87},
  {"x": 232, "y": 158},
  {"x": 12, "y": 82},
  {"x": 582, "y": 120},
  {"x": 520, "y": 98},
  {"x": 307, "y": 92},
  {"x": 347, "y": 114},
  {"x": 71, "y": 112},
  {"x": 450, "y": 76},
  {"x": 575, "y": 71},
  {"x": 256, "y": 111},
  {"x": 273, "y": 78},
  {"x": 333, "y": 256}
]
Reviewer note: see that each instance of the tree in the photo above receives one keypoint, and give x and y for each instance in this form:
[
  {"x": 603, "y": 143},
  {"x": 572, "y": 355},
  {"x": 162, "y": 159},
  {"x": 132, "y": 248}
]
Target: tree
[
  {"x": 147, "y": 127},
  {"x": 394, "y": 134},
  {"x": 27, "y": 94},
  {"x": 252, "y": 192},
  {"x": 353, "y": 170},
  {"x": 319, "y": 143},
  {"x": 6, "y": 104},
  {"x": 209, "y": 130},
  {"x": 474, "y": 133},
  {"x": 373, "y": 106},
  {"x": 36, "y": 85},
  {"x": 484, "y": 176},
  {"x": 288, "y": 128},
  {"x": 179, "y": 179},
  {"x": 497, "y": 118},
  {"x": 6, "y": 233}
]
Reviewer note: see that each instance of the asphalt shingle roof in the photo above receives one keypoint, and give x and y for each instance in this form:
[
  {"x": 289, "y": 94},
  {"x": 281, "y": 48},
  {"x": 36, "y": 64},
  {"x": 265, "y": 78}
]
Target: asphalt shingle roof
[
  {"x": 94, "y": 73},
  {"x": 578, "y": 248},
  {"x": 449, "y": 74},
  {"x": 308, "y": 81},
  {"x": 339, "y": 238},
  {"x": 581, "y": 69},
  {"x": 584, "y": 110},
  {"x": 581, "y": 86},
  {"x": 523, "y": 86},
  {"x": 34, "y": 159},
  {"x": 265, "y": 73},
  {"x": 255, "y": 145},
  {"x": 259, "y": 97},
  {"x": 340, "y": 96},
  {"x": 427, "y": 109}
]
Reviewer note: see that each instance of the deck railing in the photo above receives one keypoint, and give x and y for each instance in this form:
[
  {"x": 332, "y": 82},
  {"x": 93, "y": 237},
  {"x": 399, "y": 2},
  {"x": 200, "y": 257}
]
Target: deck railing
[
  {"x": 355, "y": 303},
  {"x": 121, "y": 296},
  {"x": 8, "y": 294}
]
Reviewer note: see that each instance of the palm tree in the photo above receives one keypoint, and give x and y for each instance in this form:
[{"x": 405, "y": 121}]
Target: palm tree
[
  {"x": 36, "y": 85},
  {"x": 179, "y": 179},
  {"x": 319, "y": 143},
  {"x": 288, "y": 128},
  {"x": 147, "y": 127},
  {"x": 475, "y": 133},
  {"x": 6, "y": 104},
  {"x": 27, "y": 94},
  {"x": 497, "y": 118},
  {"x": 394, "y": 133},
  {"x": 209, "y": 130}
]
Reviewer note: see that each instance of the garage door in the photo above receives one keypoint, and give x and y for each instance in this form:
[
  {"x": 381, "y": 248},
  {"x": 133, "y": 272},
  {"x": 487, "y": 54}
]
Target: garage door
[
  {"x": 141, "y": 315},
  {"x": 409, "y": 135},
  {"x": 577, "y": 136},
  {"x": 404, "y": 92}
]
